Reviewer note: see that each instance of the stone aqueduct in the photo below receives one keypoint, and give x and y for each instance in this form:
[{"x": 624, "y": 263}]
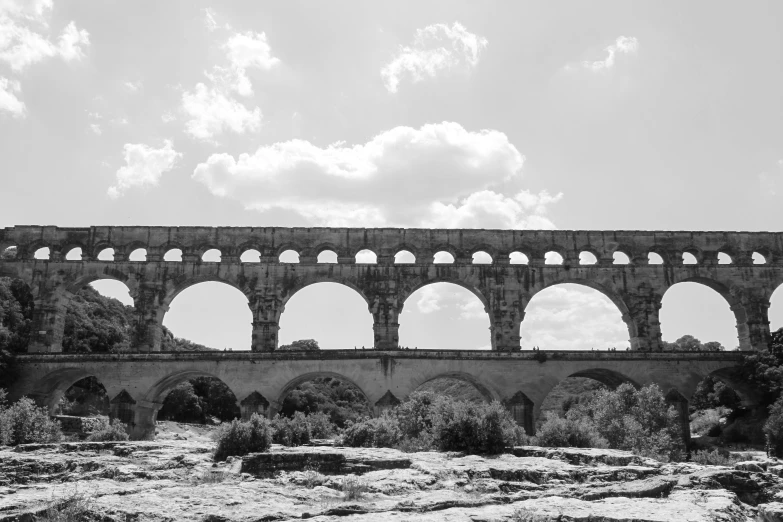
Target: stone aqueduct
[{"x": 138, "y": 381}]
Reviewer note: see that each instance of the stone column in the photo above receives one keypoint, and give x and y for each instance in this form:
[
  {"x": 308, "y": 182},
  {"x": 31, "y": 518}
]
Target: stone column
[
  {"x": 385, "y": 311},
  {"x": 254, "y": 403},
  {"x": 505, "y": 311},
  {"x": 643, "y": 321},
  {"x": 752, "y": 323},
  {"x": 148, "y": 331},
  {"x": 144, "y": 415},
  {"x": 46, "y": 334},
  {"x": 680, "y": 404},
  {"x": 266, "y": 308}
]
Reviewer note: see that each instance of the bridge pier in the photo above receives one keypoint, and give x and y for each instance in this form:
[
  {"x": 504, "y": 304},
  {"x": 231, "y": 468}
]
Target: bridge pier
[
  {"x": 144, "y": 415},
  {"x": 48, "y": 326}
]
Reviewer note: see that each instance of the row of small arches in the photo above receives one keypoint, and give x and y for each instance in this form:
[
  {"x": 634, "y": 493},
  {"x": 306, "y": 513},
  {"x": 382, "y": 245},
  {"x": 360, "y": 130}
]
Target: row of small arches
[{"x": 401, "y": 257}]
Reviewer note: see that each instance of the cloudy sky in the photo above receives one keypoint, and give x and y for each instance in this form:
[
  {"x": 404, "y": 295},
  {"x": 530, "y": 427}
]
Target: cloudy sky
[{"x": 600, "y": 115}]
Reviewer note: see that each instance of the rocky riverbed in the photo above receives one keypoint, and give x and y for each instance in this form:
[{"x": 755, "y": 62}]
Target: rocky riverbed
[{"x": 173, "y": 478}]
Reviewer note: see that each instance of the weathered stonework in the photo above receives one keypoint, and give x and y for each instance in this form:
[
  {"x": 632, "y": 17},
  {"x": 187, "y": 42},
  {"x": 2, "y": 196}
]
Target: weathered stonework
[{"x": 137, "y": 383}]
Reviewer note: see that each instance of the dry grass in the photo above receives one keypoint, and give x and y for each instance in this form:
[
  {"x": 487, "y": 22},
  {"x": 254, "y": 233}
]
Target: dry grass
[
  {"x": 75, "y": 506},
  {"x": 354, "y": 488}
]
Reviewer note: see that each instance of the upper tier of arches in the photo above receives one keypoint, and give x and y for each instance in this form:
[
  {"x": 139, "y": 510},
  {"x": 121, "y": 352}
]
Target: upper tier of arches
[{"x": 382, "y": 245}]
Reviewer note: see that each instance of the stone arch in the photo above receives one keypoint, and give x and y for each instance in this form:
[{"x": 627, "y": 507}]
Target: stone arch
[
  {"x": 33, "y": 247},
  {"x": 487, "y": 392},
  {"x": 303, "y": 283},
  {"x": 109, "y": 273},
  {"x": 131, "y": 247},
  {"x": 660, "y": 252},
  {"x": 98, "y": 248},
  {"x": 562, "y": 252},
  {"x": 49, "y": 389},
  {"x": 406, "y": 247},
  {"x": 521, "y": 253},
  {"x": 486, "y": 248},
  {"x": 614, "y": 297},
  {"x": 158, "y": 391},
  {"x": 277, "y": 402},
  {"x": 170, "y": 247},
  {"x": 605, "y": 376},
  {"x": 183, "y": 283},
  {"x": 203, "y": 248},
  {"x": 475, "y": 290},
  {"x": 286, "y": 247},
  {"x": 697, "y": 254},
  {"x": 444, "y": 247},
  {"x": 368, "y": 253},
  {"x": 590, "y": 250}
]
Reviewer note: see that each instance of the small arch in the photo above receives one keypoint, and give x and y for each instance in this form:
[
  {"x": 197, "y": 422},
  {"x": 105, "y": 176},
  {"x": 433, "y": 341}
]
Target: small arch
[
  {"x": 775, "y": 311},
  {"x": 404, "y": 257},
  {"x": 327, "y": 256},
  {"x": 86, "y": 397},
  {"x": 587, "y": 258},
  {"x": 43, "y": 253},
  {"x": 654, "y": 258},
  {"x": 106, "y": 254},
  {"x": 138, "y": 255},
  {"x": 173, "y": 256},
  {"x": 199, "y": 399},
  {"x": 758, "y": 258},
  {"x": 250, "y": 256},
  {"x": 724, "y": 259},
  {"x": 482, "y": 258},
  {"x": 620, "y": 258},
  {"x": 212, "y": 255},
  {"x": 9, "y": 253},
  {"x": 700, "y": 308},
  {"x": 367, "y": 257},
  {"x": 443, "y": 257},
  {"x": 74, "y": 254},
  {"x": 158, "y": 392},
  {"x": 553, "y": 258},
  {"x": 690, "y": 257},
  {"x": 288, "y": 256},
  {"x": 518, "y": 258}
]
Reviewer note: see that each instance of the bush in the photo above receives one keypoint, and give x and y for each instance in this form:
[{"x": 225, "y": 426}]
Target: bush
[
  {"x": 240, "y": 438},
  {"x": 108, "y": 432},
  {"x": 353, "y": 488},
  {"x": 773, "y": 429},
  {"x": 714, "y": 458},
  {"x": 415, "y": 414},
  {"x": 473, "y": 428},
  {"x": 558, "y": 432},
  {"x": 321, "y": 426},
  {"x": 293, "y": 431},
  {"x": 707, "y": 422},
  {"x": 640, "y": 421},
  {"x": 23, "y": 422},
  {"x": 379, "y": 432}
]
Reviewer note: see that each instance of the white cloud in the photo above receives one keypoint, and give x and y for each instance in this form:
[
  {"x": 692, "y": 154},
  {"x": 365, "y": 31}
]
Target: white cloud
[
  {"x": 623, "y": 45},
  {"x": 23, "y": 38},
  {"x": 429, "y": 299},
  {"x": 167, "y": 117},
  {"x": 134, "y": 87},
  {"x": 144, "y": 165},
  {"x": 448, "y": 297},
  {"x": 94, "y": 127},
  {"x": 212, "y": 112},
  {"x": 437, "y": 175},
  {"x": 250, "y": 50},
  {"x": 209, "y": 19},
  {"x": 572, "y": 317},
  {"x": 435, "y": 48},
  {"x": 8, "y": 100},
  {"x": 770, "y": 182}
]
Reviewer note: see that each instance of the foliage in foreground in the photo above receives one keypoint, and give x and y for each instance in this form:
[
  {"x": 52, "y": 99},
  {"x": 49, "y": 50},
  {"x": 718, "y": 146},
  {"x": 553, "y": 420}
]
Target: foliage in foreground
[
  {"x": 71, "y": 507},
  {"x": 293, "y": 431},
  {"x": 773, "y": 429},
  {"x": 715, "y": 457},
  {"x": 640, "y": 421},
  {"x": 105, "y": 431},
  {"x": 240, "y": 438},
  {"x": 23, "y": 423},
  {"x": 425, "y": 422}
]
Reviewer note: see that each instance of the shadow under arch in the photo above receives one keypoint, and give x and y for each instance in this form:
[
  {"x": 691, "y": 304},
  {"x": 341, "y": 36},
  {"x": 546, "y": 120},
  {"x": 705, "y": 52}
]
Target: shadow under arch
[
  {"x": 277, "y": 402},
  {"x": 51, "y": 387},
  {"x": 610, "y": 378},
  {"x": 735, "y": 378},
  {"x": 157, "y": 392},
  {"x": 486, "y": 392}
]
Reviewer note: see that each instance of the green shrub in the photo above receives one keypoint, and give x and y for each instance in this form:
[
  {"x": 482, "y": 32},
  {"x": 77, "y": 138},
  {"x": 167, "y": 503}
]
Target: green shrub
[
  {"x": 321, "y": 426},
  {"x": 108, "y": 432},
  {"x": 379, "y": 432},
  {"x": 707, "y": 422},
  {"x": 773, "y": 429},
  {"x": 23, "y": 422},
  {"x": 559, "y": 432},
  {"x": 473, "y": 428},
  {"x": 415, "y": 414},
  {"x": 240, "y": 438},
  {"x": 293, "y": 431},
  {"x": 715, "y": 457},
  {"x": 353, "y": 488}
]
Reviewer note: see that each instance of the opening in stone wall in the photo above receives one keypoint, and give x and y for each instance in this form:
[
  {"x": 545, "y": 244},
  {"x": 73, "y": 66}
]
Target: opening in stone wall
[
  {"x": 444, "y": 316},
  {"x": 693, "y": 315},
  {"x": 775, "y": 311},
  {"x": 99, "y": 319},
  {"x": 568, "y": 393},
  {"x": 453, "y": 387},
  {"x": 210, "y": 315},
  {"x": 573, "y": 317},
  {"x": 333, "y": 315},
  {"x": 201, "y": 400},
  {"x": 336, "y": 398},
  {"x": 85, "y": 398}
]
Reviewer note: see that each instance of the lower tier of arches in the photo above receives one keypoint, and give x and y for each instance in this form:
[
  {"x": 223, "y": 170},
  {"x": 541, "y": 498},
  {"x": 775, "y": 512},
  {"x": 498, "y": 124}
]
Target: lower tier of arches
[{"x": 138, "y": 384}]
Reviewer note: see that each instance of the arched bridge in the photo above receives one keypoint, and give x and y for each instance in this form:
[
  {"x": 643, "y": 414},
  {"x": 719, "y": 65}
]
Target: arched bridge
[{"x": 744, "y": 267}]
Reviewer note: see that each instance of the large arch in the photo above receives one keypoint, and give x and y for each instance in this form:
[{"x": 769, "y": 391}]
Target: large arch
[
  {"x": 50, "y": 389},
  {"x": 309, "y": 376},
  {"x": 485, "y": 392},
  {"x": 703, "y": 308},
  {"x": 163, "y": 386},
  {"x": 314, "y": 309},
  {"x": 775, "y": 311},
  {"x": 209, "y": 311},
  {"x": 439, "y": 305},
  {"x": 580, "y": 302}
]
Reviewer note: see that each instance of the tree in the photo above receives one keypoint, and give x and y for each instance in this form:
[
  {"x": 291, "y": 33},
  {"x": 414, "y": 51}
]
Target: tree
[
  {"x": 688, "y": 343},
  {"x": 309, "y": 345},
  {"x": 16, "y": 314}
]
